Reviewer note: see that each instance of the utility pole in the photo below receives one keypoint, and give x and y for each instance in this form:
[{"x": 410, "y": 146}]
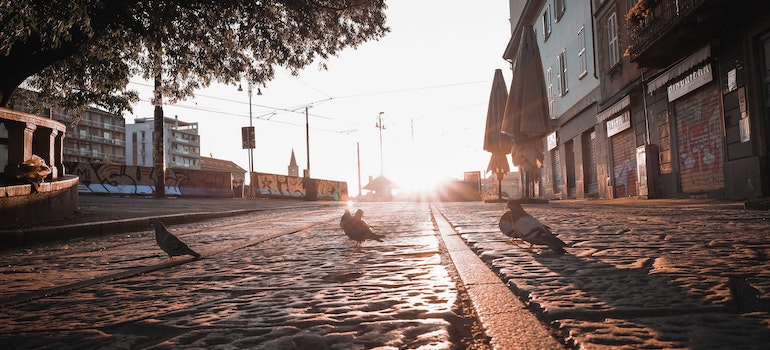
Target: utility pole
[
  {"x": 249, "y": 144},
  {"x": 358, "y": 154},
  {"x": 307, "y": 139}
]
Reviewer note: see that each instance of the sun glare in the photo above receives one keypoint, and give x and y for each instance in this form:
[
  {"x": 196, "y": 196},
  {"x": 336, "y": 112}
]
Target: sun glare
[{"x": 416, "y": 183}]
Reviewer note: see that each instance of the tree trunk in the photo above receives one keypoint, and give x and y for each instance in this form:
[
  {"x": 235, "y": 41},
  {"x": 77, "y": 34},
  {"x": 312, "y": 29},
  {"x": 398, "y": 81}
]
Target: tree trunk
[{"x": 158, "y": 140}]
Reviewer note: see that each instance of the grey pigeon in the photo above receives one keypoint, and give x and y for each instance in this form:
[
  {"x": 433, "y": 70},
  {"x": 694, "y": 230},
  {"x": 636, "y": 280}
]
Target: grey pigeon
[
  {"x": 516, "y": 223},
  {"x": 170, "y": 243},
  {"x": 357, "y": 229}
]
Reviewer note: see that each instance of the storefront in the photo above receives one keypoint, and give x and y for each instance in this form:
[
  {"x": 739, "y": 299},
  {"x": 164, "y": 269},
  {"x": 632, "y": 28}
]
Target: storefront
[
  {"x": 689, "y": 127},
  {"x": 699, "y": 132},
  {"x": 622, "y": 154}
]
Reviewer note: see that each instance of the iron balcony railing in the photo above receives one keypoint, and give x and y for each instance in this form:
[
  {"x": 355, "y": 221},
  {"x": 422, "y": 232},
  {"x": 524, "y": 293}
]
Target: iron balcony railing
[{"x": 650, "y": 20}]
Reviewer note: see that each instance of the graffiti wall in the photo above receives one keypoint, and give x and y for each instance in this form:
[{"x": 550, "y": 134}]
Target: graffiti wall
[
  {"x": 136, "y": 180},
  {"x": 699, "y": 136},
  {"x": 282, "y": 186}
]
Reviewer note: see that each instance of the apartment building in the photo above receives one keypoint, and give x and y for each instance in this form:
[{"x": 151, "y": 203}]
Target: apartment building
[
  {"x": 181, "y": 143},
  {"x": 564, "y": 34},
  {"x": 94, "y": 136},
  {"x": 680, "y": 106}
]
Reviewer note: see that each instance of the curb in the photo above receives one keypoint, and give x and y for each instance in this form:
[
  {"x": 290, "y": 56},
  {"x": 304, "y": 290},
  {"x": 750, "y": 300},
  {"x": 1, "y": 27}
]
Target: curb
[
  {"x": 506, "y": 320},
  {"x": 19, "y": 238}
]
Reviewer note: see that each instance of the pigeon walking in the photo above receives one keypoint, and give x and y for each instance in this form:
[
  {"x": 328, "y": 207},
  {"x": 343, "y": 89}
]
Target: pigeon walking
[
  {"x": 356, "y": 228},
  {"x": 170, "y": 243},
  {"x": 516, "y": 223}
]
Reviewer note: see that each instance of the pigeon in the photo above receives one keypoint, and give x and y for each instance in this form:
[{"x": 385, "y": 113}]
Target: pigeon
[
  {"x": 516, "y": 223},
  {"x": 170, "y": 243},
  {"x": 357, "y": 229}
]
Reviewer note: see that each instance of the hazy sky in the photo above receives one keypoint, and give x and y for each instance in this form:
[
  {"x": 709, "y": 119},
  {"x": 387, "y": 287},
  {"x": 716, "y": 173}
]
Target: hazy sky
[{"x": 431, "y": 76}]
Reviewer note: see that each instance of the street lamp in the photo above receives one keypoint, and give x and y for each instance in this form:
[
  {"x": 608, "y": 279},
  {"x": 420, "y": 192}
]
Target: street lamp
[
  {"x": 380, "y": 127},
  {"x": 250, "y": 140}
]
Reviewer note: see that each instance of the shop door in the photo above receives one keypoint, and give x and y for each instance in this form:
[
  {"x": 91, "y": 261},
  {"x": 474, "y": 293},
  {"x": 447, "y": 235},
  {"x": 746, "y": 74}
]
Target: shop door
[
  {"x": 700, "y": 138},
  {"x": 556, "y": 170},
  {"x": 569, "y": 150},
  {"x": 624, "y": 164},
  {"x": 589, "y": 164}
]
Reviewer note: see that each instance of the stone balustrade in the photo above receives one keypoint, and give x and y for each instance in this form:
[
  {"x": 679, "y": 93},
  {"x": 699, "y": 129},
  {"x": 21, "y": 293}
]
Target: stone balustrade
[{"x": 21, "y": 136}]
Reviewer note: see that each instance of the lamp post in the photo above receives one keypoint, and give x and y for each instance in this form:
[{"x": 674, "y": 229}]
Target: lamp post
[
  {"x": 380, "y": 127},
  {"x": 307, "y": 141},
  {"x": 250, "y": 144}
]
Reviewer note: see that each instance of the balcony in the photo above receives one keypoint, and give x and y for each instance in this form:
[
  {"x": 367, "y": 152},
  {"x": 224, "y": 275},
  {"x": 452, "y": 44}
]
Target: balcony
[
  {"x": 663, "y": 31},
  {"x": 654, "y": 42}
]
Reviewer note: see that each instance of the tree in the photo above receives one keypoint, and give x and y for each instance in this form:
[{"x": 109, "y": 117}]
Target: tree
[{"x": 79, "y": 53}]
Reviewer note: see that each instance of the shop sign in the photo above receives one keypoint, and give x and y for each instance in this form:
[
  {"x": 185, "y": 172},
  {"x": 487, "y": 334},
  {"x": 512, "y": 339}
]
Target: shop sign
[
  {"x": 618, "y": 124},
  {"x": 690, "y": 82},
  {"x": 551, "y": 140}
]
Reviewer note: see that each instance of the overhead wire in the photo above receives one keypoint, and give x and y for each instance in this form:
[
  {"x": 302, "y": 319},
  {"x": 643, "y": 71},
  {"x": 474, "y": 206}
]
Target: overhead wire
[{"x": 299, "y": 109}]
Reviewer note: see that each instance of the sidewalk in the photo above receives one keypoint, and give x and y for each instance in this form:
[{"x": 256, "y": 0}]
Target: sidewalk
[
  {"x": 638, "y": 273},
  {"x": 101, "y": 214}
]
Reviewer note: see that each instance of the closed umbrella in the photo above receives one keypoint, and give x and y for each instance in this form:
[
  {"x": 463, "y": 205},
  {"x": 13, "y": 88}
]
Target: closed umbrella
[
  {"x": 526, "y": 118},
  {"x": 495, "y": 141}
]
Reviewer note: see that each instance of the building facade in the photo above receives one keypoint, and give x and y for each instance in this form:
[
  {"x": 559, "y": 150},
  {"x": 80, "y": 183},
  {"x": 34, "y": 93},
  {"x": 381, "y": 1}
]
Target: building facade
[
  {"x": 94, "y": 136},
  {"x": 704, "y": 66},
  {"x": 181, "y": 143},
  {"x": 679, "y": 108},
  {"x": 237, "y": 174},
  {"x": 564, "y": 32},
  {"x": 620, "y": 121}
]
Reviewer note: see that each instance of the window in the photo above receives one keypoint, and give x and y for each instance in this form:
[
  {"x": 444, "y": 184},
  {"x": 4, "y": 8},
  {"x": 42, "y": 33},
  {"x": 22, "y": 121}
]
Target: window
[
  {"x": 559, "y": 8},
  {"x": 549, "y": 88},
  {"x": 549, "y": 82},
  {"x": 582, "y": 60},
  {"x": 547, "y": 22},
  {"x": 562, "y": 60},
  {"x": 613, "y": 47}
]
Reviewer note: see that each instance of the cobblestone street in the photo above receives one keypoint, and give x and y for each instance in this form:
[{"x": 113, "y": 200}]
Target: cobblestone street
[
  {"x": 638, "y": 274},
  {"x": 637, "y": 277},
  {"x": 264, "y": 282}
]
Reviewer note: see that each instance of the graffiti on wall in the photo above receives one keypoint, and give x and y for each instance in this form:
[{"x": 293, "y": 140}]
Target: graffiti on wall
[
  {"x": 136, "y": 180},
  {"x": 282, "y": 186},
  {"x": 700, "y": 150}
]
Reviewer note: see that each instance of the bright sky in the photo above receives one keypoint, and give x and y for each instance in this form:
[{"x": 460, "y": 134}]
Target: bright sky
[{"x": 431, "y": 76}]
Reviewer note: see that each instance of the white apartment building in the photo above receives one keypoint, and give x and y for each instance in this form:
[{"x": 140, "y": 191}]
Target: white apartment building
[{"x": 181, "y": 143}]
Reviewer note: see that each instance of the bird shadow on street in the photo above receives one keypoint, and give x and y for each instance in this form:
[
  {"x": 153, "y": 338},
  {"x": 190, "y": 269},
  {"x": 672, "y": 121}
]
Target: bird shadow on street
[{"x": 639, "y": 306}]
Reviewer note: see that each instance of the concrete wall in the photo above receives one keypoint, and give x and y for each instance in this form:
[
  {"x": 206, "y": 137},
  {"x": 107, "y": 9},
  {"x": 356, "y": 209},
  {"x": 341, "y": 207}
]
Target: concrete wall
[
  {"x": 136, "y": 180},
  {"x": 282, "y": 186}
]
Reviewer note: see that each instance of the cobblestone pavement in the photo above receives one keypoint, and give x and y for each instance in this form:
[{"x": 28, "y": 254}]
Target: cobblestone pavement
[
  {"x": 269, "y": 280},
  {"x": 684, "y": 276}
]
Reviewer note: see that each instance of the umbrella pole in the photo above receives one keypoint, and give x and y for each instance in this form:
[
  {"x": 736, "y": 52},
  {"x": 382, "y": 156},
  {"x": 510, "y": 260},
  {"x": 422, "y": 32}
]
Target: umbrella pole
[
  {"x": 499, "y": 188},
  {"x": 524, "y": 189}
]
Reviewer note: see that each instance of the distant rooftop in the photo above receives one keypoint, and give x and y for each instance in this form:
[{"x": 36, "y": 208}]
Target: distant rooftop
[{"x": 214, "y": 164}]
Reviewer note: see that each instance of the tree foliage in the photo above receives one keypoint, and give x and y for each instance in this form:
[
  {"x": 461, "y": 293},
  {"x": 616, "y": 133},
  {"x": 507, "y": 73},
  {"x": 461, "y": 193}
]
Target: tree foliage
[{"x": 83, "y": 52}]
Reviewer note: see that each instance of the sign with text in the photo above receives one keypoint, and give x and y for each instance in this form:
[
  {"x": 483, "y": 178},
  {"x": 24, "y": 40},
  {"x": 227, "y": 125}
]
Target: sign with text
[
  {"x": 618, "y": 124},
  {"x": 551, "y": 140},
  {"x": 690, "y": 82}
]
